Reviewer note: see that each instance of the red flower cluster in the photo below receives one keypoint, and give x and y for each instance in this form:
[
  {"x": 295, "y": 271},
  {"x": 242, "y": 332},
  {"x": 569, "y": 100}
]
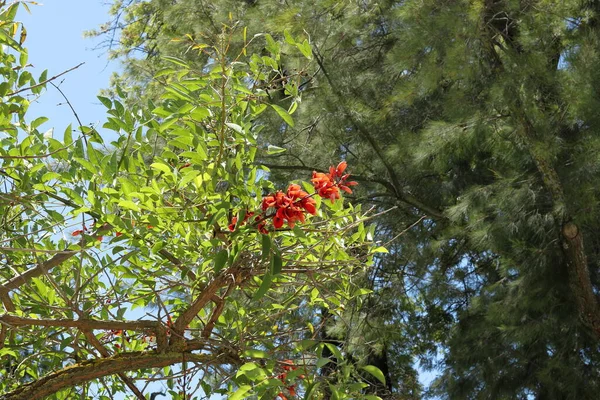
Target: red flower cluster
[
  {"x": 290, "y": 207},
  {"x": 234, "y": 220},
  {"x": 84, "y": 230},
  {"x": 79, "y": 231},
  {"x": 328, "y": 185},
  {"x": 288, "y": 365}
]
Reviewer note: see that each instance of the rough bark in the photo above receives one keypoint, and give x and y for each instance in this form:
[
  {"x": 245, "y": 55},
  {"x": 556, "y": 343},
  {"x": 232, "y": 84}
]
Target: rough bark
[{"x": 89, "y": 370}]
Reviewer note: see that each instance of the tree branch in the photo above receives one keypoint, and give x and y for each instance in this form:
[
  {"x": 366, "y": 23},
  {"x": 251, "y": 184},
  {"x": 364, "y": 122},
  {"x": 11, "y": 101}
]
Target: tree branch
[
  {"x": 394, "y": 186},
  {"x": 44, "y": 82},
  {"x": 105, "y": 353},
  {"x": 571, "y": 236},
  {"x": 94, "y": 369},
  {"x": 89, "y": 324}
]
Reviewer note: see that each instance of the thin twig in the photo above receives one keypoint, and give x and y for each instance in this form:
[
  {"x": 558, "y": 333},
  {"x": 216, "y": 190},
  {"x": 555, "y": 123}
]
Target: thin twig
[{"x": 46, "y": 81}]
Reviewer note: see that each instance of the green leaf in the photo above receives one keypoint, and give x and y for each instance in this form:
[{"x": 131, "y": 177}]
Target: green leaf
[
  {"x": 322, "y": 361},
  {"x": 267, "y": 279},
  {"x": 106, "y": 101},
  {"x": 308, "y": 395},
  {"x": 276, "y": 263},
  {"x": 43, "y": 76},
  {"x": 10, "y": 12},
  {"x": 266, "y": 247},
  {"x": 235, "y": 127},
  {"x": 380, "y": 249},
  {"x": 161, "y": 167},
  {"x": 239, "y": 394},
  {"x": 40, "y": 286},
  {"x": 249, "y": 366},
  {"x": 376, "y": 372},
  {"x": 275, "y": 149},
  {"x": 128, "y": 204},
  {"x": 220, "y": 260},
  {"x": 288, "y": 37},
  {"x": 176, "y": 61},
  {"x": 305, "y": 49},
  {"x": 68, "y": 136},
  {"x": 283, "y": 114},
  {"x": 336, "y": 351},
  {"x": 299, "y": 232},
  {"x": 38, "y": 121},
  {"x": 24, "y": 56},
  {"x": 254, "y": 353},
  {"x": 334, "y": 392},
  {"x": 86, "y": 164}
]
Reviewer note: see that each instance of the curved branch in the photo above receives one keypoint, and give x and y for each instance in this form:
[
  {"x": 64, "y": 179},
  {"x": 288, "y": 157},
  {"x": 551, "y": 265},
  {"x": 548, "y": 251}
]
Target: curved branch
[{"x": 94, "y": 369}]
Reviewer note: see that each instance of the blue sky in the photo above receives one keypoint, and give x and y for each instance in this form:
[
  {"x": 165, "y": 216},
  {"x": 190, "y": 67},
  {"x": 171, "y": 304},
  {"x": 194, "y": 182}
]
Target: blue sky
[{"x": 55, "y": 42}]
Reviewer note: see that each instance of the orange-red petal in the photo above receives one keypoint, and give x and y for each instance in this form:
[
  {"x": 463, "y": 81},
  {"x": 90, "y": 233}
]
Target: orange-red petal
[{"x": 341, "y": 167}]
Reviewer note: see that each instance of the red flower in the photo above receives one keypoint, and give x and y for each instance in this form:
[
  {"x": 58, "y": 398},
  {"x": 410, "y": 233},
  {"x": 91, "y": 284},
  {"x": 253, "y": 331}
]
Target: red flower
[
  {"x": 339, "y": 170},
  {"x": 79, "y": 231},
  {"x": 295, "y": 192},
  {"x": 309, "y": 204},
  {"x": 289, "y": 207},
  {"x": 328, "y": 185},
  {"x": 325, "y": 186},
  {"x": 278, "y": 220},
  {"x": 232, "y": 224},
  {"x": 261, "y": 228},
  {"x": 117, "y": 234},
  {"x": 288, "y": 365},
  {"x": 234, "y": 220},
  {"x": 268, "y": 201},
  {"x": 292, "y": 390}
]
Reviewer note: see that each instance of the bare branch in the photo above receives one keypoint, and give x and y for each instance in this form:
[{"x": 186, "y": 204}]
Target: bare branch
[{"x": 44, "y": 82}]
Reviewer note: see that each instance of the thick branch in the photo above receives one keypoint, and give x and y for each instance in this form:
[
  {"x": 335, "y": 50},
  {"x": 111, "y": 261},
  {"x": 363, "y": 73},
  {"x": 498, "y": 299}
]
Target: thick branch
[
  {"x": 220, "y": 306},
  {"x": 89, "y": 324},
  {"x": 199, "y": 303},
  {"x": 579, "y": 277},
  {"x": 572, "y": 238},
  {"x": 38, "y": 270},
  {"x": 105, "y": 353},
  {"x": 232, "y": 276},
  {"x": 94, "y": 369}
]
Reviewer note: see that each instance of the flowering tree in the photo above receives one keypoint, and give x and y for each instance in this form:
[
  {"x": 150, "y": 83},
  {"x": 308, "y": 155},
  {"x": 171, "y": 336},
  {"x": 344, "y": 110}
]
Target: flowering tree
[{"x": 168, "y": 257}]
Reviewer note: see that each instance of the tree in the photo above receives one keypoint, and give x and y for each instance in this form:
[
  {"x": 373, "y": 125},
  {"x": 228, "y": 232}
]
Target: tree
[
  {"x": 477, "y": 120},
  {"x": 168, "y": 255}
]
